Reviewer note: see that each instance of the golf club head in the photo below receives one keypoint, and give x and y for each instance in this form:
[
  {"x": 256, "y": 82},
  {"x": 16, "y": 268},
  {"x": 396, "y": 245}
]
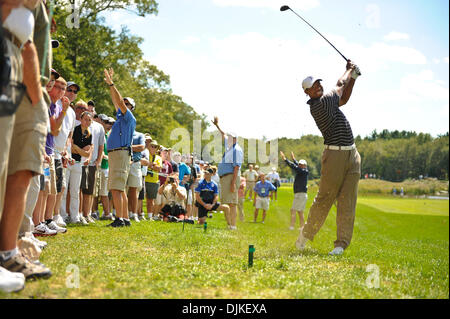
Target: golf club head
[{"x": 284, "y": 8}]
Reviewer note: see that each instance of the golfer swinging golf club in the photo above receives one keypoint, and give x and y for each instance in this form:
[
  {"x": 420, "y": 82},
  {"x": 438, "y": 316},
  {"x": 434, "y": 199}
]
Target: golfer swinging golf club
[{"x": 341, "y": 163}]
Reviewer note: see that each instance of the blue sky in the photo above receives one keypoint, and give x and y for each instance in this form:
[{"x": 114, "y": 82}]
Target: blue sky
[{"x": 244, "y": 60}]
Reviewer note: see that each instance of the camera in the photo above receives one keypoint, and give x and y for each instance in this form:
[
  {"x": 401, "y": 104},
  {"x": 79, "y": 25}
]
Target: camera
[{"x": 171, "y": 180}]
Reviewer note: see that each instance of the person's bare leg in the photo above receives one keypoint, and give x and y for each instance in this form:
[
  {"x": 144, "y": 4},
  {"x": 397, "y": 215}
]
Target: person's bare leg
[
  {"x": 233, "y": 214},
  {"x": 264, "y": 215},
  {"x": 118, "y": 202},
  {"x": 133, "y": 200},
  {"x": 105, "y": 203},
  {"x": 14, "y": 207},
  {"x": 301, "y": 218},
  {"x": 293, "y": 217},
  {"x": 150, "y": 203},
  {"x": 38, "y": 208},
  {"x": 124, "y": 205},
  {"x": 226, "y": 211},
  {"x": 80, "y": 210},
  {"x": 86, "y": 205},
  {"x": 43, "y": 207},
  {"x": 255, "y": 217},
  {"x": 50, "y": 206}
]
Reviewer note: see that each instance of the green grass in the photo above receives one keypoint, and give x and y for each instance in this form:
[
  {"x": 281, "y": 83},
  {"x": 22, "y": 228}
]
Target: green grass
[{"x": 158, "y": 260}]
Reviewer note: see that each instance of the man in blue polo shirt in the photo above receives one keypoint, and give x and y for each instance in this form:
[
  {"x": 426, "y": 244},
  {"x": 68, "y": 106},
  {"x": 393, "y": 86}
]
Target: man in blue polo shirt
[
  {"x": 119, "y": 150},
  {"x": 229, "y": 171},
  {"x": 206, "y": 197},
  {"x": 261, "y": 198}
]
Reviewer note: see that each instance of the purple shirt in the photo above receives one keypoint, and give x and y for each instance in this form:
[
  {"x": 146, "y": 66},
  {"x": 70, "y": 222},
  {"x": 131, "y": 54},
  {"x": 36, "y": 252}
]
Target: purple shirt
[{"x": 54, "y": 110}]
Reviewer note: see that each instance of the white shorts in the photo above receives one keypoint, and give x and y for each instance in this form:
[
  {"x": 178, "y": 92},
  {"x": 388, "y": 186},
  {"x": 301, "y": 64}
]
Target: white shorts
[
  {"x": 262, "y": 203},
  {"x": 299, "y": 202},
  {"x": 135, "y": 176}
]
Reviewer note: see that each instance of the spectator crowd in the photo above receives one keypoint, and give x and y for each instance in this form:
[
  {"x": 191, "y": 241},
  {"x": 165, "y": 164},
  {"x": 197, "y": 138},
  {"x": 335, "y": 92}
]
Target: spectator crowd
[{"x": 61, "y": 160}]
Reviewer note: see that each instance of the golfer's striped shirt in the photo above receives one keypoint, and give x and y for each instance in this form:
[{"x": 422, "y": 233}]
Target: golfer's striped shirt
[{"x": 330, "y": 120}]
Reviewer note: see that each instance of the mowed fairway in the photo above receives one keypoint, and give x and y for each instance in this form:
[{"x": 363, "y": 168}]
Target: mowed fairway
[{"x": 158, "y": 260}]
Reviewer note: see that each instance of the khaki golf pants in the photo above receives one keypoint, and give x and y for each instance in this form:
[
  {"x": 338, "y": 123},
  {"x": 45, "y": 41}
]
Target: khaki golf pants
[{"x": 340, "y": 174}]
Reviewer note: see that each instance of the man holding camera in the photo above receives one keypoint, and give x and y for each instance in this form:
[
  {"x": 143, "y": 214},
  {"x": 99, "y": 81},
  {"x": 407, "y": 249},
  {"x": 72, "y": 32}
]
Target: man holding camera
[
  {"x": 206, "y": 197},
  {"x": 173, "y": 199}
]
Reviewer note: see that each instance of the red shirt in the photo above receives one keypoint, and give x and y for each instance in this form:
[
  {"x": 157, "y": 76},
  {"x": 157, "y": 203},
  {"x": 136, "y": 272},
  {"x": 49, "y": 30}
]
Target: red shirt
[{"x": 166, "y": 169}]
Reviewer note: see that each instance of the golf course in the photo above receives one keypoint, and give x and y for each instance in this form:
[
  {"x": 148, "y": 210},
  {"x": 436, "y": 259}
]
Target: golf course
[{"x": 400, "y": 249}]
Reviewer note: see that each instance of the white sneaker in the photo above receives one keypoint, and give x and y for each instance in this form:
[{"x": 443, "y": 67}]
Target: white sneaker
[
  {"x": 83, "y": 220},
  {"x": 336, "y": 251},
  {"x": 233, "y": 228},
  {"x": 136, "y": 218},
  {"x": 301, "y": 241},
  {"x": 59, "y": 221},
  {"x": 11, "y": 281},
  {"x": 89, "y": 219},
  {"x": 43, "y": 230},
  {"x": 150, "y": 216},
  {"x": 291, "y": 228},
  {"x": 41, "y": 244},
  {"x": 54, "y": 226}
]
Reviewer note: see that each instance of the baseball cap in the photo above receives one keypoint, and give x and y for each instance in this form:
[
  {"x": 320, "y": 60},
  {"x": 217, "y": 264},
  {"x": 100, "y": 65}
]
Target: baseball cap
[
  {"x": 111, "y": 120},
  {"x": 309, "y": 81},
  {"x": 91, "y": 103},
  {"x": 148, "y": 137},
  {"x": 209, "y": 170},
  {"x": 70, "y": 83},
  {"x": 103, "y": 117},
  {"x": 302, "y": 162},
  {"x": 129, "y": 99}
]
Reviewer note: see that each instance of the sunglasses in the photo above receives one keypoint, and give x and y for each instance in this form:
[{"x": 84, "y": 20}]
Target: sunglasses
[
  {"x": 62, "y": 88},
  {"x": 72, "y": 91}
]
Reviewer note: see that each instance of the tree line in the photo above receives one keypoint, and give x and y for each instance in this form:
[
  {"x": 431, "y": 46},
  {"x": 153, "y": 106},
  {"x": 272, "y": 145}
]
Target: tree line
[
  {"x": 391, "y": 155},
  {"x": 88, "y": 45}
]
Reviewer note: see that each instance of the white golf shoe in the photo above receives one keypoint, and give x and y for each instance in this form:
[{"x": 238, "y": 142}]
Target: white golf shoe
[{"x": 336, "y": 251}]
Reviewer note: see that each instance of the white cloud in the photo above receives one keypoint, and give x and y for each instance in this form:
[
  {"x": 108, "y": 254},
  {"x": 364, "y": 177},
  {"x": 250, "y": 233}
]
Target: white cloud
[
  {"x": 394, "y": 36},
  {"x": 273, "y": 4},
  {"x": 252, "y": 82},
  {"x": 190, "y": 40}
]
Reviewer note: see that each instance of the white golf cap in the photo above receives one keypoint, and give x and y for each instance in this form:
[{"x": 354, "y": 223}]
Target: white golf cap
[
  {"x": 232, "y": 134},
  {"x": 302, "y": 162},
  {"x": 309, "y": 81},
  {"x": 129, "y": 99}
]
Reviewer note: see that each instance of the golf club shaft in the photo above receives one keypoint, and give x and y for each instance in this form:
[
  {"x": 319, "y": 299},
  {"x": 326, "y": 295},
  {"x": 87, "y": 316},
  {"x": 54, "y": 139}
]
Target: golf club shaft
[{"x": 319, "y": 34}]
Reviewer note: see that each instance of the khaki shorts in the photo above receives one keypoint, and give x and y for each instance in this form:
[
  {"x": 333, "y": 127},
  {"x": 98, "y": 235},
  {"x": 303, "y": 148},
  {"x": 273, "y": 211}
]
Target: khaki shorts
[
  {"x": 29, "y": 136},
  {"x": 226, "y": 196},
  {"x": 103, "y": 182},
  {"x": 135, "y": 176},
  {"x": 299, "y": 202},
  {"x": 262, "y": 203},
  {"x": 119, "y": 167}
]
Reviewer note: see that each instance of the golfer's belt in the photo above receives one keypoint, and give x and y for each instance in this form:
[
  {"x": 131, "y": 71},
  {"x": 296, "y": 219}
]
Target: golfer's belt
[{"x": 340, "y": 148}]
